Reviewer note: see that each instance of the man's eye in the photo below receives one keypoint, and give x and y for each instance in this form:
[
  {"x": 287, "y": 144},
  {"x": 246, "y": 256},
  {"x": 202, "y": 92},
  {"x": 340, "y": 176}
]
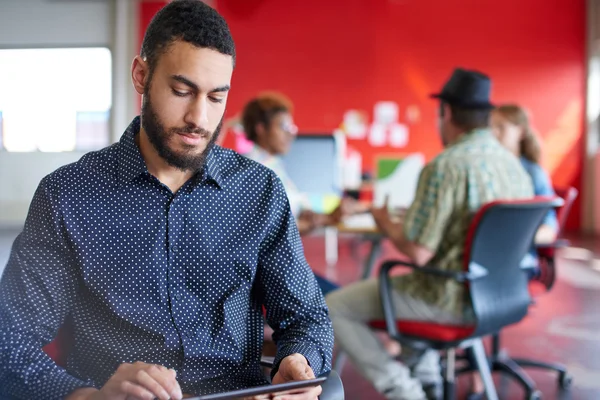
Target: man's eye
[{"x": 180, "y": 94}]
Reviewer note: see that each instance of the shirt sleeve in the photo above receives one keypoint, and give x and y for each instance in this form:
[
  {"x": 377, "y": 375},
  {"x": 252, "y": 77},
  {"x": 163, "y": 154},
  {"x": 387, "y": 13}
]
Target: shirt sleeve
[
  {"x": 428, "y": 216},
  {"x": 298, "y": 201},
  {"x": 543, "y": 187},
  {"x": 36, "y": 292},
  {"x": 295, "y": 307}
]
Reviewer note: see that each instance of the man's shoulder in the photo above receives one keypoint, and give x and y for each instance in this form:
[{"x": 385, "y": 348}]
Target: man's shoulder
[
  {"x": 234, "y": 165},
  {"x": 86, "y": 170},
  {"x": 446, "y": 161},
  {"x": 453, "y": 155}
]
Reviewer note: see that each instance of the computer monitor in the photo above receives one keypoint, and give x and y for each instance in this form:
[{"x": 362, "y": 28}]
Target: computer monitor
[{"x": 314, "y": 164}]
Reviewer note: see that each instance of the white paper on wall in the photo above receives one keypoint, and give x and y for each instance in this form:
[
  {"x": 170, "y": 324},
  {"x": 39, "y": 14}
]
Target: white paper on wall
[
  {"x": 377, "y": 135},
  {"x": 385, "y": 112},
  {"x": 398, "y": 135},
  {"x": 355, "y": 124}
]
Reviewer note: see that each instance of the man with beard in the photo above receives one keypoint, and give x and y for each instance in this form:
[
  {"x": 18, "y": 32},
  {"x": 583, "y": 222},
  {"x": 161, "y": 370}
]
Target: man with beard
[{"x": 160, "y": 252}]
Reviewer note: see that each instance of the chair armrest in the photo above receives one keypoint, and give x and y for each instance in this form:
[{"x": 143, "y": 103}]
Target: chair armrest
[
  {"x": 557, "y": 244},
  {"x": 385, "y": 287},
  {"x": 333, "y": 389},
  {"x": 475, "y": 271}
]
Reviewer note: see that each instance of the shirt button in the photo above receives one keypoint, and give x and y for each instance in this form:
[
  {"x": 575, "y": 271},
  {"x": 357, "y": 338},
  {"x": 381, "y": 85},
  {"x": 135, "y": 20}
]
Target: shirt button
[
  {"x": 178, "y": 295},
  {"x": 174, "y": 248}
]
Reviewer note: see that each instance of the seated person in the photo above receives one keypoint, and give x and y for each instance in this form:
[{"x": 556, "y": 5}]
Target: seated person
[
  {"x": 162, "y": 249},
  {"x": 474, "y": 169},
  {"x": 510, "y": 125},
  {"x": 268, "y": 124}
]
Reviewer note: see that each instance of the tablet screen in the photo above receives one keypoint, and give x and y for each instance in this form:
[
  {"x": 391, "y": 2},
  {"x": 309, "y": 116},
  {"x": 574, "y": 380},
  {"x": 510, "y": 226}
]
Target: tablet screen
[{"x": 267, "y": 389}]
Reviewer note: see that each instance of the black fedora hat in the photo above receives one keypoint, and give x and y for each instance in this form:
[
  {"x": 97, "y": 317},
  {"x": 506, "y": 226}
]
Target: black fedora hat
[{"x": 469, "y": 89}]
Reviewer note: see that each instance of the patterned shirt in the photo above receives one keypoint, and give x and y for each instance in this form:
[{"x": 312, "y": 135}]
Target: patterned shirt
[
  {"x": 298, "y": 200},
  {"x": 144, "y": 274},
  {"x": 474, "y": 170}
]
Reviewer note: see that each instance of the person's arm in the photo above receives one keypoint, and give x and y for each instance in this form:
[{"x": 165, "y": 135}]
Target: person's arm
[
  {"x": 394, "y": 232},
  {"x": 306, "y": 222},
  {"x": 286, "y": 286},
  {"x": 37, "y": 290},
  {"x": 419, "y": 234}
]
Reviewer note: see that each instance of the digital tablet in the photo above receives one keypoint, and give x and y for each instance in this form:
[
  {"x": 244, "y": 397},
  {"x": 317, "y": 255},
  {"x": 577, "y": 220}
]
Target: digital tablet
[{"x": 266, "y": 389}]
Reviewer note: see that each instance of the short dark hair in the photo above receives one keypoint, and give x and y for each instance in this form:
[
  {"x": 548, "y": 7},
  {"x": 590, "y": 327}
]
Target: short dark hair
[
  {"x": 261, "y": 110},
  {"x": 467, "y": 118},
  {"x": 191, "y": 21}
]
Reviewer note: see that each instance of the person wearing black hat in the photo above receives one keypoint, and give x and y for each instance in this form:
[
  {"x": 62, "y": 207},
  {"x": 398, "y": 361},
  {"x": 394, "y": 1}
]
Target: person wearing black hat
[
  {"x": 473, "y": 169},
  {"x": 466, "y": 97}
]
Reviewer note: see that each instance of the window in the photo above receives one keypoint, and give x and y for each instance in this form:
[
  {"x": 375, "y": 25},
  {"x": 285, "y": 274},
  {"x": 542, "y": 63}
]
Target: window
[{"x": 55, "y": 99}]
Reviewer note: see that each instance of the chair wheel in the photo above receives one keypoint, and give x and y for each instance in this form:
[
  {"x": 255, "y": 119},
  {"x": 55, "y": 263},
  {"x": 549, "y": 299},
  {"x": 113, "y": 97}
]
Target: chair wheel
[
  {"x": 537, "y": 395},
  {"x": 565, "y": 380}
]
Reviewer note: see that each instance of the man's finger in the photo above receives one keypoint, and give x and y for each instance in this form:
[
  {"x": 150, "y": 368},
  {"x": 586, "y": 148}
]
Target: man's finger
[
  {"x": 309, "y": 394},
  {"x": 150, "y": 383},
  {"x": 135, "y": 391},
  {"x": 258, "y": 397},
  {"x": 166, "y": 379},
  {"x": 300, "y": 371},
  {"x": 386, "y": 201},
  {"x": 310, "y": 372}
]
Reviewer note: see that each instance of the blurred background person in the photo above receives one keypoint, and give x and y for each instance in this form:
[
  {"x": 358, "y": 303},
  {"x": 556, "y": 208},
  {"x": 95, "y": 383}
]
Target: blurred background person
[
  {"x": 510, "y": 124},
  {"x": 269, "y": 125}
]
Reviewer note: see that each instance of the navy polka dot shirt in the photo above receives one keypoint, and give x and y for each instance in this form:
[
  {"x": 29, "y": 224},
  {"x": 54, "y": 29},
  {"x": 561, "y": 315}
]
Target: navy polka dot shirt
[{"x": 143, "y": 274}]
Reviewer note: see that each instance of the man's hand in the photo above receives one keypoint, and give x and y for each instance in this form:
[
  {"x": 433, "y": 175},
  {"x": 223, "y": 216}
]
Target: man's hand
[
  {"x": 295, "y": 368},
  {"x": 138, "y": 381},
  {"x": 307, "y": 221},
  {"x": 346, "y": 207}
]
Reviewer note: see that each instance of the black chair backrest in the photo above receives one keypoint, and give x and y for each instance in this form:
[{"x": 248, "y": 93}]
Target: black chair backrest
[{"x": 500, "y": 236}]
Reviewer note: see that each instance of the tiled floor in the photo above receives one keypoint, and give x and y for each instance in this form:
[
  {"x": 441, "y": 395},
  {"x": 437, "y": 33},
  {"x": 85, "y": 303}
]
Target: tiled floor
[{"x": 564, "y": 326}]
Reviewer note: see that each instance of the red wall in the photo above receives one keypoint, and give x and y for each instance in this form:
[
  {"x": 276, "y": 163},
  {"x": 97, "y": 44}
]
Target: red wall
[{"x": 330, "y": 56}]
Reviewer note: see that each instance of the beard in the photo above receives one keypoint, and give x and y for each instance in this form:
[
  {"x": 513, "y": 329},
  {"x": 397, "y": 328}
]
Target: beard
[{"x": 187, "y": 159}]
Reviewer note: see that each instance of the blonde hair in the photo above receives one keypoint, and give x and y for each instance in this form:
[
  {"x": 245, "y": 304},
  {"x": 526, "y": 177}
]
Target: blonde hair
[{"x": 530, "y": 146}]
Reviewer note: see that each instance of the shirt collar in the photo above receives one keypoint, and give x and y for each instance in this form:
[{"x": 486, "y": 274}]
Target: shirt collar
[
  {"x": 213, "y": 169},
  {"x": 132, "y": 164},
  {"x": 471, "y": 135}
]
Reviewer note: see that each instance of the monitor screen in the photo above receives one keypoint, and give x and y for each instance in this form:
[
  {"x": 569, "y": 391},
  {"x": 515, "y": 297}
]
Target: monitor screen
[{"x": 314, "y": 165}]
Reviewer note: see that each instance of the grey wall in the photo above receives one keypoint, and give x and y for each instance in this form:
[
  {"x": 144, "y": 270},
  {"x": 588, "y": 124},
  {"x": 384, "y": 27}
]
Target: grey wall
[
  {"x": 55, "y": 23},
  {"x": 20, "y": 174}
]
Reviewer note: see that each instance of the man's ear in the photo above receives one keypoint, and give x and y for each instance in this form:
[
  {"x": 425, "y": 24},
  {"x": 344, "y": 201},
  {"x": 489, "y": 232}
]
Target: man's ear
[
  {"x": 139, "y": 74},
  {"x": 260, "y": 129},
  {"x": 447, "y": 115}
]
